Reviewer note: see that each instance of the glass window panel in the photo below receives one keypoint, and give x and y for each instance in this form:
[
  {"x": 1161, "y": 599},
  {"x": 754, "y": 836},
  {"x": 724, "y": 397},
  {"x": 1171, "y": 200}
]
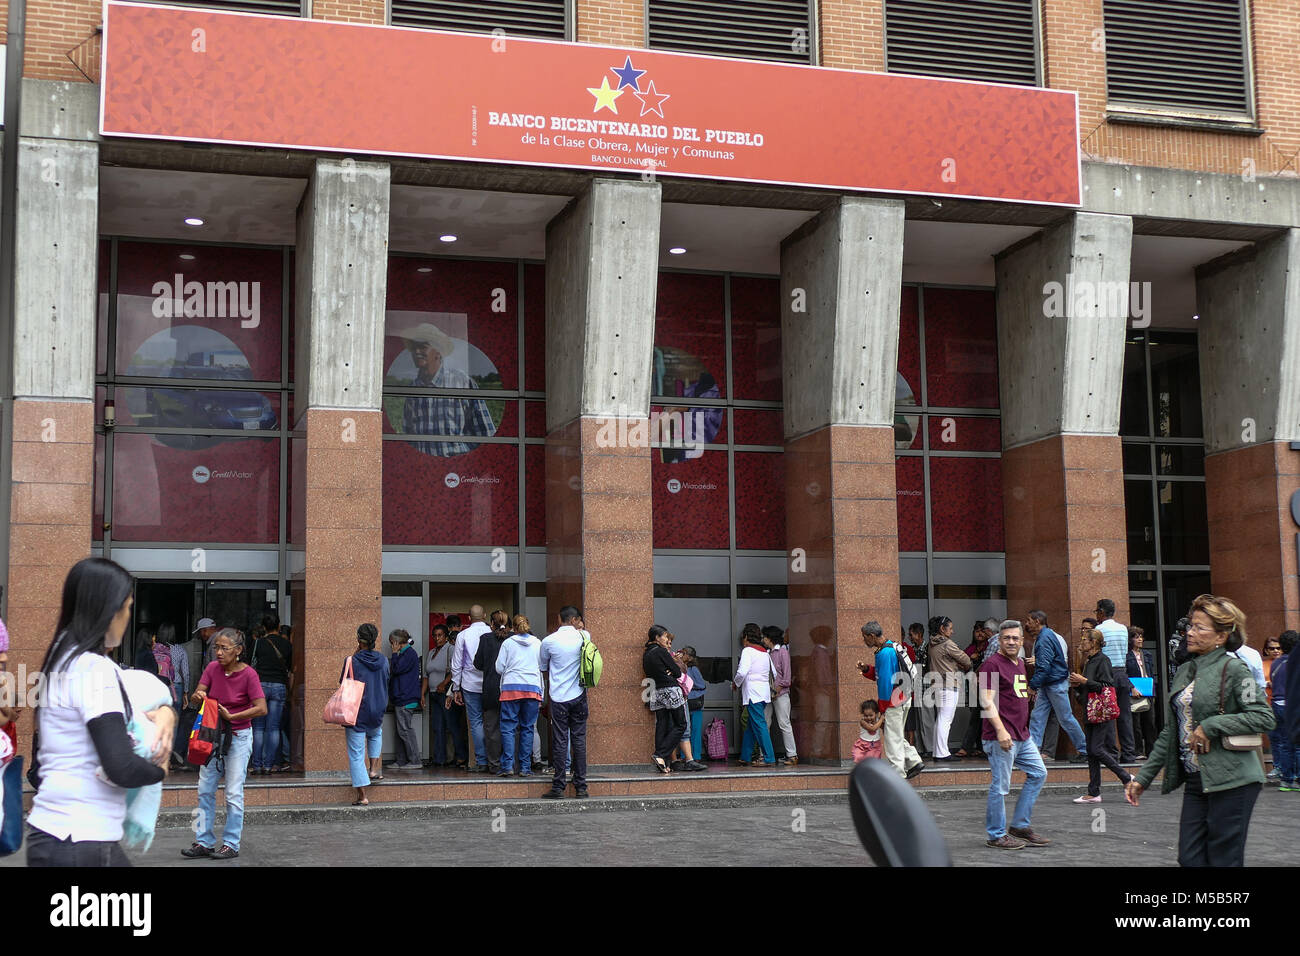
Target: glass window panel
[
  {"x": 689, "y": 352},
  {"x": 758, "y": 427},
  {"x": 1137, "y": 458},
  {"x": 690, "y": 501},
  {"x": 961, "y": 348},
  {"x": 101, "y": 323},
  {"x": 535, "y": 492},
  {"x": 1180, "y": 588},
  {"x": 1184, "y": 524},
  {"x": 201, "y": 408},
  {"x": 907, "y": 430},
  {"x": 1133, "y": 398},
  {"x": 1140, "y": 519},
  {"x": 438, "y": 499},
  {"x": 760, "y": 501},
  {"x": 686, "y": 427},
  {"x": 535, "y": 419},
  {"x": 535, "y": 328},
  {"x": 1142, "y": 580},
  {"x": 194, "y": 489},
  {"x": 756, "y": 338},
  {"x": 966, "y": 504},
  {"x": 1180, "y": 460},
  {"x": 1176, "y": 385},
  {"x": 909, "y": 475},
  {"x": 198, "y": 312},
  {"x": 97, "y": 521},
  {"x": 952, "y": 433},
  {"x": 464, "y": 314},
  {"x": 441, "y": 414},
  {"x": 909, "y": 349}
]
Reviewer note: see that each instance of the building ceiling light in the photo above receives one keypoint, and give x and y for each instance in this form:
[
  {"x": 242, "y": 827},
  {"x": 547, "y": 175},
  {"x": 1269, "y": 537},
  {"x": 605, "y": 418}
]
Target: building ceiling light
[
  {"x": 447, "y": 238},
  {"x": 677, "y": 250},
  {"x": 193, "y": 221},
  {"x": 424, "y": 269},
  {"x": 187, "y": 256}
]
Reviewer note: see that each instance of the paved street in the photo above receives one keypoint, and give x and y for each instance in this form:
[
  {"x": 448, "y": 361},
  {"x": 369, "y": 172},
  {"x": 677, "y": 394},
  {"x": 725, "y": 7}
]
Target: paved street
[{"x": 761, "y": 835}]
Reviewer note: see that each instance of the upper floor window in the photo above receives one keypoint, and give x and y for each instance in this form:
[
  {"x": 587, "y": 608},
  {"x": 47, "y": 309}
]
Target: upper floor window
[
  {"x": 1182, "y": 55},
  {"x": 544, "y": 19},
  {"x": 992, "y": 41},
  {"x": 765, "y": 30}
]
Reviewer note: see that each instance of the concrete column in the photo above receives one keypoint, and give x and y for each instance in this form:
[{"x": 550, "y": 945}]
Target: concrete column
[
  {"x": 602, "y": 269},
  {"x": 341, "y": 282},
  {"x": 1061, "y": 326},
  {"x": 841, "y": 281},
  {"x": 53, "y": 441},
  {"x": 1249, "y": 303}
]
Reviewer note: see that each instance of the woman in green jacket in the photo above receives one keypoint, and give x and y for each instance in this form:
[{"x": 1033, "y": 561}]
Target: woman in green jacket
[{"x": 1212, "y": 696}]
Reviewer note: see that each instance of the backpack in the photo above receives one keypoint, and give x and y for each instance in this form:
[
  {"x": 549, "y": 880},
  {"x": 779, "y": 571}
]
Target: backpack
[
  {"x": 590, "y": 663},
  {"x": 716, "y": 738},
  {"x": 209, "y": 734},
  {"x": 162, "y": 653}
]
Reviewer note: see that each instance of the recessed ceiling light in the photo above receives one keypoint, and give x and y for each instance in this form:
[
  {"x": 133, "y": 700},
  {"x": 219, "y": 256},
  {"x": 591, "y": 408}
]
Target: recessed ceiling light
[
  {"x": 193, "y": 221},
  {"x": 187, "y": 256},
  {"x": 677, "y": 250},
  {"x": 447, "y": 238},
  {"x": 424, "y": 269},
  {"x": 1196, "y": 318}
]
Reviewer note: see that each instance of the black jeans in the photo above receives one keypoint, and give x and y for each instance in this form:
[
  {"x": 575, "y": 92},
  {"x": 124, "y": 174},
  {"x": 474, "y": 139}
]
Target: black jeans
[
  {"x": 1124, "y": 691},
  {"x": 45, "y": 850},
  {"x": 492, "y": 738},
  {"x": 971, "y": 742},
  {"x": 1101, "y": 752},
  {"x": 458, "y": 722},
  {"x": 1212, "y": 827},
  {"x": 1144, "y": 729},
  {"x": 669, "y": 726},
  {"x": 569, "y": 728}
]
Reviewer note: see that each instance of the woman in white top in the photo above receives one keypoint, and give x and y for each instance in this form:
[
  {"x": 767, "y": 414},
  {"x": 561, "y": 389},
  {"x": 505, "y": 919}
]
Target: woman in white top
[
  {"x": 84, "y": 758},
  {"x": 753, "y": 680}
]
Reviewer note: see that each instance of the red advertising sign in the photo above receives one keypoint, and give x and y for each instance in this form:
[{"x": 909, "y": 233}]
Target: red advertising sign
[{"x": 199, "y": 75}]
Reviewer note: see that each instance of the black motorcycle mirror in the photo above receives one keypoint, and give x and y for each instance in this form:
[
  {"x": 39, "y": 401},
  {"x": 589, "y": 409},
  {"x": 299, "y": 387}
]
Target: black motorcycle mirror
[{"x": 891, "y": 819}]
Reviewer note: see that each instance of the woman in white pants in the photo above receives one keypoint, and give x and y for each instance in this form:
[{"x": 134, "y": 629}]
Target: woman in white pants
[
  {"x": 778, "y": 642},
  {"x": 946, "y": 660}
]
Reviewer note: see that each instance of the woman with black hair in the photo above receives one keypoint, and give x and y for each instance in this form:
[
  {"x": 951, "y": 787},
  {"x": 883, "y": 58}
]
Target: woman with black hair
[
  {"x": 668, "y": 701},
  {"x": 144, "y": 659},
  {"x": 84, "y": 759},
  {"x": 365, "y": 738},
  {"x": 947, "y": 662}
]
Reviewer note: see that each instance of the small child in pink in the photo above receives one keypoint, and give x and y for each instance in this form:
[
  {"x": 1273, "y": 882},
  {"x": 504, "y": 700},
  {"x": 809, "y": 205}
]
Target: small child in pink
[{"x": 868, "y": 743}]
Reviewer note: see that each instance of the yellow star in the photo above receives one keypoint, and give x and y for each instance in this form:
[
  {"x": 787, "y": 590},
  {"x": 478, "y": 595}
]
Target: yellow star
[{"x": 605, "y": 97}]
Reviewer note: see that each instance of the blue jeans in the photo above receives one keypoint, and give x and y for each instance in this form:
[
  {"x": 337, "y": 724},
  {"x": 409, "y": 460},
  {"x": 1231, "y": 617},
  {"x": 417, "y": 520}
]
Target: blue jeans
[
  {"x": 1023, "y": 755},
  {"x": 266, "y": 729},
  {"x": 756, "y": 734},
  {"x": 235, "y": 766},
  {"x": 362, "y": 744},
  {"x": 1055, "y": 697},
  {"x": 518, "y": 715},
  {"x": 697, "y": 733},
  {"x": 1286, "y": 759},
  {"x": 474, "y": 711}
]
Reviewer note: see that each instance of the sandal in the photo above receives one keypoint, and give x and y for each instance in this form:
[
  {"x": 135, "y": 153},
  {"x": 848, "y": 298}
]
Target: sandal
[
  {"x": 660, "y": 764},
  {"x": 361, "y": 803}
]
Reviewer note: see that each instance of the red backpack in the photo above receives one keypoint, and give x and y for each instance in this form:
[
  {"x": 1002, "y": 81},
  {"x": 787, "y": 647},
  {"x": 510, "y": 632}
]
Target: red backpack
[{"x": 207, "y": 734}]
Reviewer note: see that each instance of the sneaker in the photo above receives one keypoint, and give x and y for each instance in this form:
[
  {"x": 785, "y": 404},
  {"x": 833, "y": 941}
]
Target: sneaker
[
  {"x": 1007, "y": 842},
  {"x": 1087, "y": 799},
  {"x": 1028, "y": 835},
  {"x": 539, "y": 767},
  {"x": 505, "y": 773},
  {"x": 580, "y": 793},
  {"x": 197, "y": 851},
  {"x": 915, "y": 770},
  {"x": 225, "y": 853},
  {"x": 1289, "y": 786},
  {"x": 694, "y": 765},
  {"x": 1078, "y": 758},
  {"x": 678, "y": 765},
  {"x": 553, "y": 795}
]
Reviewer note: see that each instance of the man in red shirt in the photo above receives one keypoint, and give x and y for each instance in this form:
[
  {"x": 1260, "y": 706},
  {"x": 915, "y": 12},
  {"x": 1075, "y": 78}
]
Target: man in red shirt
[{"x": 1004, "y": 695}]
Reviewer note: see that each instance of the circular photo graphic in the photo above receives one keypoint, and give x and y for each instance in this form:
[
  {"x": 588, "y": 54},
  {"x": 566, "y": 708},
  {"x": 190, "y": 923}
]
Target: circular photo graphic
[
  {"x": 905, "y": 426},
  {"x": 200, "y": 353}
]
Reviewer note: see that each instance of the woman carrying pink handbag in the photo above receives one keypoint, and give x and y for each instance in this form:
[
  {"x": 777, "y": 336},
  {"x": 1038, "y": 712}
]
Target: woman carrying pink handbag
[{"x": 363, "y": 697}]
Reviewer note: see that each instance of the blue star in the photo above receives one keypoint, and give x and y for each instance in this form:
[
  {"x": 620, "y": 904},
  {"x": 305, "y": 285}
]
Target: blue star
[{"x": 627, "y": 75}]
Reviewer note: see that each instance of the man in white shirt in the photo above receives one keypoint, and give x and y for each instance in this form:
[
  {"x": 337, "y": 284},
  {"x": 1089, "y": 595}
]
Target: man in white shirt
[
  {"x": 1252, "y": 659},
  {"x": 1116, "y": 650},
  {"x": 560, "y": 659},
  {"x": 467, "y": 682}
]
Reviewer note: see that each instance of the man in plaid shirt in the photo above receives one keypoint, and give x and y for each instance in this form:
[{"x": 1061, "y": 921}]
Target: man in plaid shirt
[{"x": 438, "y": 415}]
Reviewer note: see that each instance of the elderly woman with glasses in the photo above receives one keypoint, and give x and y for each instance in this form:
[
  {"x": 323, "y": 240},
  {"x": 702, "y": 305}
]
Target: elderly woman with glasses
[
  {"x": 238, "y": 693},
  {"x": 1214, "y": 707}
]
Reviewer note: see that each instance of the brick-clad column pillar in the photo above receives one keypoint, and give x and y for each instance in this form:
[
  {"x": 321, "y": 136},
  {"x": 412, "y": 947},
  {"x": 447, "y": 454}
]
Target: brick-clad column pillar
[
  {"x": 341, "y": 283},
  {"x": 53, "y": 450},
  {"x": 852, "y": 34},
  {"x": 1249, "y": 303},
  {"x": 602, "y": 266},
  {"x": 611, "y": 22},
  {"x": 350, "y": 11},
  {"x": 841, "y": 280},
  {"x": 1061, "y": 367}
]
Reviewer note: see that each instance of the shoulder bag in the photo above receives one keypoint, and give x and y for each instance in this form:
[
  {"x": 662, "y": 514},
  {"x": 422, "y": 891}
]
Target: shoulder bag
[
  {"x": 345, "y": 703},
  {"x": 1102, "y": 706},
  {"x": 288, "y": 674},
  {"x": 1239, "y": 742}
]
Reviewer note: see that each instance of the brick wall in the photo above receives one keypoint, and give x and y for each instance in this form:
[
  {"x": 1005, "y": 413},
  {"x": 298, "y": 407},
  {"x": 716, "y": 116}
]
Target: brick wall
[
  {"x": 852, "y": 34},
  {"x": 611, "y": 22},
  {"x": 349, "y": 11}
]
